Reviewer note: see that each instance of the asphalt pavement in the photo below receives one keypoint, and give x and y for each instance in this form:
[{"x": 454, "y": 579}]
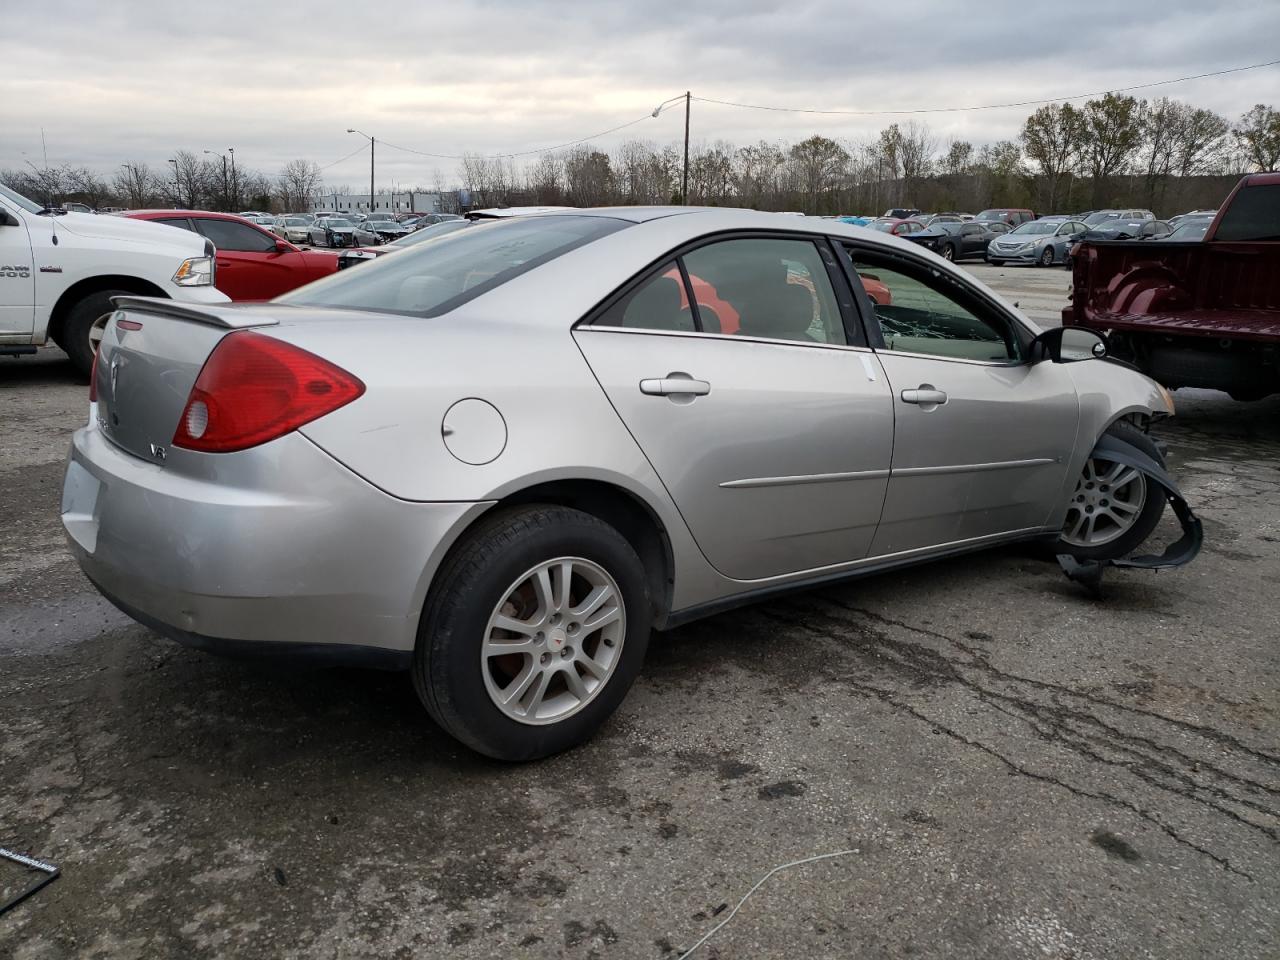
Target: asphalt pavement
[{"x": 1003, "y": 766}]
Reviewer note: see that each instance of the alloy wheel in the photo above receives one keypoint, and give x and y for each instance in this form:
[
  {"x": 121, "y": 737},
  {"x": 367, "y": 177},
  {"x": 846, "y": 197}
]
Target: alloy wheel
[
  {"x": 97, "y": 330},
  {"x": 1108, "y": 500},
  {"x": 1046, "y": 258},
  {"x": 948, "y": 253},
  {"x": 553, "y": 641}
]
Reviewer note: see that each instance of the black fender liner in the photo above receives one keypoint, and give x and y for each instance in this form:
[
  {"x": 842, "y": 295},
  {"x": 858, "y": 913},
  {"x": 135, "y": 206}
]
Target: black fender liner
[{"x": 1088, "y": 573}]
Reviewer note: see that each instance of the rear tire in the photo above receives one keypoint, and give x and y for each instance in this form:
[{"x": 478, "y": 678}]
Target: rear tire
[
  {"x": 75, "y": 337},
  {"x": 491, "y": 575},
  {"x": 1145, "y": 518},
  {"x": 995, "y": 263},
  {"x": 1046, "y": 258}
]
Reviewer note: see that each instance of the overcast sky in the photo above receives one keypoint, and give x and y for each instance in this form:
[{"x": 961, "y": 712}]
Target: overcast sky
[{"x": 136, "y": 80}]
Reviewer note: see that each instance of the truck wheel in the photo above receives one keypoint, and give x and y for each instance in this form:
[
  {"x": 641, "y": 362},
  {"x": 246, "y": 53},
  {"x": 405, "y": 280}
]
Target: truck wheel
[
  {"x": 81, "y": 331},
  {"x": 535, "y": 628},
  {"x": 1114, "y": 507}
]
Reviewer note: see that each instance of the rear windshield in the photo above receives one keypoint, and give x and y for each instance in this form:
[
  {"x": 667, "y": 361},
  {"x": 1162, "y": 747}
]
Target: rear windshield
[
  {"x": 1254, "y": 214},
  {"x": 435, "y": 278}
]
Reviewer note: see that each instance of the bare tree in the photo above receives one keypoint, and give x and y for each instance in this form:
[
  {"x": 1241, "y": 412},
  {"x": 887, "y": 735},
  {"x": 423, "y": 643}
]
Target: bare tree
[
  {"x": 916, "y": 146},
  {"x": 135, "y": 185},
  {"x": 588, "y": 175},
  {"x": 755, "y": 173},
  {"x": 816, "y": 164},
  {"x": 297, "y": 185},
  {"x": 1258, "y": 134}
]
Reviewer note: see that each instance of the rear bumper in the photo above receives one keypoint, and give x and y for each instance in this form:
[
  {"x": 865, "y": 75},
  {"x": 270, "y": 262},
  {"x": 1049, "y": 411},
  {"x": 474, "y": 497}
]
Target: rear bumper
[{"x": 281, "y": 552}]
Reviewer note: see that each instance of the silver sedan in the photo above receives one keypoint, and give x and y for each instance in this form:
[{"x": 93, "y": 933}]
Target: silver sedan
[{"x": 498, "y": 460}]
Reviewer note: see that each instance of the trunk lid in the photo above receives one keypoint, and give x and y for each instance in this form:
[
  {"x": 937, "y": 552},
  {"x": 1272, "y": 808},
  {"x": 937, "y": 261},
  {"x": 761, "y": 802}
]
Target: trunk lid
[{"x": 150, "y": 355}]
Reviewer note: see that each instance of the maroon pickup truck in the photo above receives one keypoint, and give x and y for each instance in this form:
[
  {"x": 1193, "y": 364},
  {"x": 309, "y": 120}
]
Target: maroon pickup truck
[{"x": 1199, "y": 314}]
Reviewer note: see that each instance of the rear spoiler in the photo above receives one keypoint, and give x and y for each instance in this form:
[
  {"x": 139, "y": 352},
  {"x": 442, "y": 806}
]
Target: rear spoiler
[{"x": 221, "y": 315}]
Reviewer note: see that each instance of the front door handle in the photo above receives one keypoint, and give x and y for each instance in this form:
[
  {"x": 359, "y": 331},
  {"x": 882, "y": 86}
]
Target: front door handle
[
  {"x": 674, "y": 386},
  {"x": 924, "y": 395}
]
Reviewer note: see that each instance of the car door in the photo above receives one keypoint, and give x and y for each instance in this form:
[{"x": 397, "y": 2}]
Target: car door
[
  {"x": 982, "y": 438},
  {"x": 774, "y": 442},
  {"x": 17, "y": 277},
  {"x": 250, "y": 266},
  {"x": 971, "y": 239}
]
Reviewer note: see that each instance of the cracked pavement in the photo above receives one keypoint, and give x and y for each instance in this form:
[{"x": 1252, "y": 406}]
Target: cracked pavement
[{"x": 1015, "y": 769}]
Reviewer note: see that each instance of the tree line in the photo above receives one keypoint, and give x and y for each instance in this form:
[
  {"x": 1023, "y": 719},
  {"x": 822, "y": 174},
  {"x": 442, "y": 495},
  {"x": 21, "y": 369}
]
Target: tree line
[{"x": 1115, "y": 150}]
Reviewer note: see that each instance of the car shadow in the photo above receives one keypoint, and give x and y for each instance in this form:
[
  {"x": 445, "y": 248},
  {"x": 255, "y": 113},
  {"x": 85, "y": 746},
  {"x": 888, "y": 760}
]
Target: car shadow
[{"x": 48, "y": 366}]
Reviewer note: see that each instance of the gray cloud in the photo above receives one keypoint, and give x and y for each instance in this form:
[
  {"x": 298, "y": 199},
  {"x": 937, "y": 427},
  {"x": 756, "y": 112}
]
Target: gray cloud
[{"x": 141, "y": 79}]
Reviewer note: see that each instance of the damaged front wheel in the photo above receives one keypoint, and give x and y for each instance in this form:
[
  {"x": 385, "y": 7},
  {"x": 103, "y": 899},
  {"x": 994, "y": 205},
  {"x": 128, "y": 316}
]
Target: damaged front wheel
[{"x": 1114, "y": 507}]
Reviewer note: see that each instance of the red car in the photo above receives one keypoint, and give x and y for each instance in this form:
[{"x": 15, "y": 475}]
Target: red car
[
  {"x": 899, "y": 228},
  {"x": 252, "y": 264}
]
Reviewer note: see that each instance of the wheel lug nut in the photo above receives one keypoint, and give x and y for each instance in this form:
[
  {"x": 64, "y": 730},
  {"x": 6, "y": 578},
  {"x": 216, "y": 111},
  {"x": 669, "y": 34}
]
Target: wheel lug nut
[
  {"x": 572, "y": 628},
  {"x": 608, "y": 641},
  {"x": 1088, "y": 509},
  {"x": 545, "y": 658},
  {"x": 567, "y": 652}
]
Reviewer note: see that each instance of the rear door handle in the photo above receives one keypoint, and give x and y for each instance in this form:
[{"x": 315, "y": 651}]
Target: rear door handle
[
  {"x": 924, "y": 395},
  {"x": 674, "y": 386}
]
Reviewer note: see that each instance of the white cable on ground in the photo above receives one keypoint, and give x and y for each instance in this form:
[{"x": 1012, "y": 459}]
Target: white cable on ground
[{"x": 759, "y": 883}]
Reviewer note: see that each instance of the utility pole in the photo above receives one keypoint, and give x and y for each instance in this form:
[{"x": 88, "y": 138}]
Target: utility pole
[
  {"x": 371, "y": 143},
  {"x": 684, "y": 186},
  {"x": 226, "y": 188},
  {"x": 235, "y": 186}
]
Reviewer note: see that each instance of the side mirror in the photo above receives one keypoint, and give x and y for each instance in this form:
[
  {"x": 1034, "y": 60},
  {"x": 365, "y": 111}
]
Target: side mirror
[
  {"x": 1069, "y": 345},
  {"x": 283, "y": 246},
  {"x": 7, "y": 219}
]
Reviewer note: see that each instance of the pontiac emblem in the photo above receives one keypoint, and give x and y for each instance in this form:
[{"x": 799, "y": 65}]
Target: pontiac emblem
[{"x": 115, "y": 373}]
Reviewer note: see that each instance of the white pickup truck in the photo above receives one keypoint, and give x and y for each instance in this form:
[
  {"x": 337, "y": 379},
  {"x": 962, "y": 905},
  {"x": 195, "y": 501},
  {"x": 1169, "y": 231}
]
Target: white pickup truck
[{"x": 59, "y": 271}]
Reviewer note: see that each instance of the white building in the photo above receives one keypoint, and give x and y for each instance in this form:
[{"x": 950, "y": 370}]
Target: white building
[{"x": 383, "y": 202}]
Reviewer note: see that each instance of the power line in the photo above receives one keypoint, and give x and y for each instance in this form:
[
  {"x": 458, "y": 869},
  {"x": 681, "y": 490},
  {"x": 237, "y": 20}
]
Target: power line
[
  {"x": 359, "y": 149},
  {"x": 812, "y": 110},
  {"x": 985, "y": 106}
]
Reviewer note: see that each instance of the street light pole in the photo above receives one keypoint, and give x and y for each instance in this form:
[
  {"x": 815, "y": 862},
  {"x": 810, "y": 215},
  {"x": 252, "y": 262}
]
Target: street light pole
[
  {"x": 235, "y": 187},
  {"x": 226, "y": 190},
  {"x": 177, "y": 186},
  {"x": 372, "y": 143}
]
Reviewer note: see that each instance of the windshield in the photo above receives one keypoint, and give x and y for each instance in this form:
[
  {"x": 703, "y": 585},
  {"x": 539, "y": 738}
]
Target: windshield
[
  {"x": 435, "y": 279},
  {"x": 1037, "y": 227},
  {"x": 381, "y": 224},
  {"x": 336, "y": 222},
  {"x": 1254, "y": 214},
  {"x": 1102, "y": 215},
  {"x": 20, "y": 200},
  {"x": 884, "y": 226},
  {"x": 431, "y": 232},
  {"x": 992, "y": 215},
  {"x": 294, "y": 222}
]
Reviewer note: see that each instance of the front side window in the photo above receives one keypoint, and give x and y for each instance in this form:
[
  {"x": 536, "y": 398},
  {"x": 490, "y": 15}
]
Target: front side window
[
  {"x": 928, "y": 312},
  {"x": 180, "y": 222},
  {"x": 229, "y": 235},
  {"x": 434, "y": 278}
]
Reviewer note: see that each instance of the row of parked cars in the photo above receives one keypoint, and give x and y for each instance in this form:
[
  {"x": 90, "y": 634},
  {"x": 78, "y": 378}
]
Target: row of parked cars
[
  {"x": 336, "y": 229},
  {"x": 1010, "y": 235}
]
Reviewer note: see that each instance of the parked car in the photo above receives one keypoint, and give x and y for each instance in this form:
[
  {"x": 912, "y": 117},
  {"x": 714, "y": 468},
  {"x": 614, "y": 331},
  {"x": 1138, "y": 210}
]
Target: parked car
[
  {"x": 1124, "y": 229},
  {"x": 855, "y": 221},
  {"x": 1043, "y": 242},
  {"x": 59, "y": 271},
  {"x": 1198, "y": 314},
  {"x": 333, "y": 232},
  {"x": 1206, "y": 215},
  {"x": 376, "y": 232},
  {"x": 1102, "y": 216},
  {"x": 507, "y": 525},
  {"x": 933, "y": 218},
  {"x": 293, "y": 229},
  {"x": 956, "y": 240},
  {"x": 1189, "y": 231},
  {"x": 901, "y": 213},
  {"x": 252, "y": 263},
  {"x": 1010, "y": 215},
  {"x": 899, "y": 228},
  {"x": 349, "y": 258}
]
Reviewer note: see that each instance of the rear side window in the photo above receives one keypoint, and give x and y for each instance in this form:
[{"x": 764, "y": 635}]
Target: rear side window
[
  {"x": 657, "y": 304},
  {"x": 180, "y": 222},
  {"x": 229, "y": 235},
  {"x": 1254, "y": 214},
  {"x": 434, "y": 278}
]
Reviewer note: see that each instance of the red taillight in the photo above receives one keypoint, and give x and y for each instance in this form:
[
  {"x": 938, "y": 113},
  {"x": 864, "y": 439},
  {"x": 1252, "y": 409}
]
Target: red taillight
[
  {"x": 255, "y": 388},
  {"x": 93, "y": 377}
]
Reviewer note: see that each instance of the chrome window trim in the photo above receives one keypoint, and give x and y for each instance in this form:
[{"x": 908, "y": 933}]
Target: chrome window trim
[
  {"x": 933, "y": 356},
  {"x": 732, "y": 337}
]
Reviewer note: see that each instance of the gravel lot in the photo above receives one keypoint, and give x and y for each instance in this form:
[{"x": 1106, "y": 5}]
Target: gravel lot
[{"x": 1010, "y": 768}]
